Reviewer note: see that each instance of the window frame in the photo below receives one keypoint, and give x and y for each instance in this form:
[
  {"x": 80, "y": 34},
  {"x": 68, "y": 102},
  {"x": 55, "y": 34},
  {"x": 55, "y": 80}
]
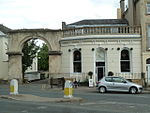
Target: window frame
[
  {"x": 127, "y": 62},
  {"x": 77, "y": 63},
  {"x": 148, "y": 8},
  {"x": 148, "y": 37}
]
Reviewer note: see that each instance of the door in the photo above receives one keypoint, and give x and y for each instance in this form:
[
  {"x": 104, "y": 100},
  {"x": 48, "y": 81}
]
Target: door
[
  {"x": 100, "y": 72},
  {"x": 119, "y": 84},
  {"x": 148, "y": 73}
]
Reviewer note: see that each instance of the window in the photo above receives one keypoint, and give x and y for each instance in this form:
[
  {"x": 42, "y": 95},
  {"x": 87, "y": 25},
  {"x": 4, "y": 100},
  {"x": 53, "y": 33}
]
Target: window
[
  {"x": 108, "y": 79},
  {"x": 125, "y": 61},
  {"x": 148, "y": 36},
  {"x": 118, "y": 80},
  {"x": 77, "y": 61},
  {"x": 148, "y": 61},
  {"x": 148, "y": 8}
]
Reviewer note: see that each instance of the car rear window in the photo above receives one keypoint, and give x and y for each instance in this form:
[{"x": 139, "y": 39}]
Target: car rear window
[{"x": 108, "y": 79}]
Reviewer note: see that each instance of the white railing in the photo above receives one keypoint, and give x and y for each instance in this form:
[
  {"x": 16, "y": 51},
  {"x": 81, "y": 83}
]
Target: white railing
[{"x": 102, "y": 30}]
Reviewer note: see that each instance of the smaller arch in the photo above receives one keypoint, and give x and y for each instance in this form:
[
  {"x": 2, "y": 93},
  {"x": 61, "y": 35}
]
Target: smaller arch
[
  {"x": 100, "y": 54},
  {"x": 25, "y": 39}
]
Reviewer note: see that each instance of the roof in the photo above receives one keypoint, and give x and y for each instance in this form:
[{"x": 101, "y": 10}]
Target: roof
[
  {"x": 100, "y": 22},
  {"x": 4, "y": 29}
]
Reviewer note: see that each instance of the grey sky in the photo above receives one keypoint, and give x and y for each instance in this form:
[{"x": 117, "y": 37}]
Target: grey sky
[{"x": 18, "y": 14}]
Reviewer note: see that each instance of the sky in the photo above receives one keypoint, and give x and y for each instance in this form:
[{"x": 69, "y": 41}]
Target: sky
[{"x": 30, "y": 14}]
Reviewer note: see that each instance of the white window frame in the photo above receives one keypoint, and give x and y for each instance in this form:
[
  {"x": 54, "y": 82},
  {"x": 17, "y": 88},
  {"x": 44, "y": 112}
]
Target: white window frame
[
  {"x": 148, "y": 37},
  {"x": 148, "y": 8}
]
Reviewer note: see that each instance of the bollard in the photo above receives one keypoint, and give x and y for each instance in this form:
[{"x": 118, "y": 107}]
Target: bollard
[
  {"x": 68, "y": 89},
  {"x": 13, "y": 87}
]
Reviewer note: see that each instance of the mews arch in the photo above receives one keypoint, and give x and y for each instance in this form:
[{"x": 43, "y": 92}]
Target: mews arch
[{"x": 17, "y": 38}]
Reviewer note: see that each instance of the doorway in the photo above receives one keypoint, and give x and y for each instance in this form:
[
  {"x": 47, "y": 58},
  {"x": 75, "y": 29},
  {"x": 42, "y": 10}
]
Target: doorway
[
  {"x": 148, "y": 73},
  {"x": 100, "y": 69},
  {"x": 148, "y": 70},
  {"x": 100, "y": 72}
]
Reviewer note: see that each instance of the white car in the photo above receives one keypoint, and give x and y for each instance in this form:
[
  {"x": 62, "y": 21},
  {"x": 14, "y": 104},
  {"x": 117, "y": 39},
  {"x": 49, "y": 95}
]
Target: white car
[{"x": 119, "y": 84}]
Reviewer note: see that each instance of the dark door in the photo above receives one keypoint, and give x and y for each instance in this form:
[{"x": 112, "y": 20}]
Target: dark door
[{"x": 100, "y": 72}]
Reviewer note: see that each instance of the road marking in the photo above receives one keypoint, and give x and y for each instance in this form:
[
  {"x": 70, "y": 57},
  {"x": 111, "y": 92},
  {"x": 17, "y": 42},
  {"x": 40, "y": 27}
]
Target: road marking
[
  {"x": 88, "y": 103},
  {"x": 42, "y": 107},
  {"x": 25, "y": 111}
]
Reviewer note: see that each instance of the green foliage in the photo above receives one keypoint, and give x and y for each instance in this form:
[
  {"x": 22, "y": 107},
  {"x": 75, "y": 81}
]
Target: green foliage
[
  {"x": 29, "y": 53},
  {"x": 43, "y": 58}
]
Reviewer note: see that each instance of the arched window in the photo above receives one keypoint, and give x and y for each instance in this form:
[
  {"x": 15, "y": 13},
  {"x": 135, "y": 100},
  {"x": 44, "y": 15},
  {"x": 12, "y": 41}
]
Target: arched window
[
  {"x": 77, "y": 61},
  {"x": 125, "y": 61},
  {"x": 148, "y": 61}
]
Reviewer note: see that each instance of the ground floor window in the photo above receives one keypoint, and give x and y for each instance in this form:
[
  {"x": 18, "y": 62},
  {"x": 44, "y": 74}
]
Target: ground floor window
[
  {"x": 77, "y": 61},
  {"x": 125, "y": 61}
]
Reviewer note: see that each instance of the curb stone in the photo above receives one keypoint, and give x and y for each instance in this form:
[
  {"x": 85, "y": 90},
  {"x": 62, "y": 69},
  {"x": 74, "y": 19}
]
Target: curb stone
[{"x": 33, "y": 98}]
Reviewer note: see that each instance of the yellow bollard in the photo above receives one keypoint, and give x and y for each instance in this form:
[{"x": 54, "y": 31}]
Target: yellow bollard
[
  {"x": 13, "y": 87},
  {"x": 68, "y": 90}
]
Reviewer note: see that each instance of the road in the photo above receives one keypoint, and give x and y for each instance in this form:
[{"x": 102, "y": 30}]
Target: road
[{"x": 93, "y": 103}]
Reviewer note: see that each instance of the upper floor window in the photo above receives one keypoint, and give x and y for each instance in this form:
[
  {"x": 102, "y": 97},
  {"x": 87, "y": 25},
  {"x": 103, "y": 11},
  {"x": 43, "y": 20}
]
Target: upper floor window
[
  {"x": 77, "y": 61},
  {"x": 148, "y": 8},
  {"x": 148, "y": 36},
  {"x": 125, "y": 61}
]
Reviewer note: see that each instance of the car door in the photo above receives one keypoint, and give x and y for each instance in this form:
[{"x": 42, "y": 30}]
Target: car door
[
  {"x": 109, "y": 83},
  {"x": 119, "y": 84}
]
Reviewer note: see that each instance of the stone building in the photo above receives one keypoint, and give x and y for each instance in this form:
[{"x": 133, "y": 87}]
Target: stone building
[
  {"x": 138, "y": 14},
  {"x": 3, "y": 51},
  {"x": 101, "y": 46}
]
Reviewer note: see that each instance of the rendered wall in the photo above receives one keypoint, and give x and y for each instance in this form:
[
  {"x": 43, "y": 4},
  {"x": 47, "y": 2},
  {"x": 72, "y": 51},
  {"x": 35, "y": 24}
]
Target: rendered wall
[
  {"x": 3, "y": 58},
  {"x": 112, "y": 58}
]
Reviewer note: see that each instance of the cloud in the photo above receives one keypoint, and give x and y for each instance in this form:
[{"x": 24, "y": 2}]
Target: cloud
[{"x": 50, "y": 13}]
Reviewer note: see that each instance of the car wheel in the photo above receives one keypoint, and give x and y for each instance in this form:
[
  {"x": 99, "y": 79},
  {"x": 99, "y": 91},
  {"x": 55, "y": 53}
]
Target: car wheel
[
  {"x": 133, "y": 90},
  {"x": 102, "y": 89}
]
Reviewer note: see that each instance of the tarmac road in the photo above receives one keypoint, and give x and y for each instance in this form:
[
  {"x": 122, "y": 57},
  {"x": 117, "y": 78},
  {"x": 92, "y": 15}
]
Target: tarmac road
[{"x": 93, "y": 102}]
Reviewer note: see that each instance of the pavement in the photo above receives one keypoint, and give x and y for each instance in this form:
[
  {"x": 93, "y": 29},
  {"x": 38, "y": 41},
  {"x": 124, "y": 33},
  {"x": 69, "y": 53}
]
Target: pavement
[
  {"x": 37, "y": 93},
  {"x": 43, "y": 93},
  {"x": 29, "y": 97}
]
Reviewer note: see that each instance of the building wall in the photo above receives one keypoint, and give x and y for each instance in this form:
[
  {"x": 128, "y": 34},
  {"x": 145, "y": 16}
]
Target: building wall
[
  {"x": 112, "y": 55},
  {"x": 133, "y": 13},
  {"x": 3, "y": 58},
  {"x": 143, "y": 19}
]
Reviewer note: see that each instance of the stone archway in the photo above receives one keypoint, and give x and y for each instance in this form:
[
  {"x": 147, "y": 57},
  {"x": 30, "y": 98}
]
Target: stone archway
[{"x": 17, "y": 38}]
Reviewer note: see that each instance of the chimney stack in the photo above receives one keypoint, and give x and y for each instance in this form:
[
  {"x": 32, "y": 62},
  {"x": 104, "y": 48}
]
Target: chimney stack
[
  {"x": 122, "y": 6},
  {"x": 119, "y": 13}
]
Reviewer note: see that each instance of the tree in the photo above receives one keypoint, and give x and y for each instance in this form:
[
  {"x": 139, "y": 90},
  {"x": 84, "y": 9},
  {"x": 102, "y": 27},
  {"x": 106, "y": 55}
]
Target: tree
[
  {"x": 29, "y": 52},
  {"x": 43, "y": 58}
]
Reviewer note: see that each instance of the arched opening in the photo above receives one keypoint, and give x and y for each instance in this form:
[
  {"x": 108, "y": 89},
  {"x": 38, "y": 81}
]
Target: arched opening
[
  {"x": 35, "y": 60},
  {"x": 100, "y": 63},
  {"x": 125, "y": 61},
  {"x": 77, "y": 66},
  {"x": 148, "y": 70}
]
